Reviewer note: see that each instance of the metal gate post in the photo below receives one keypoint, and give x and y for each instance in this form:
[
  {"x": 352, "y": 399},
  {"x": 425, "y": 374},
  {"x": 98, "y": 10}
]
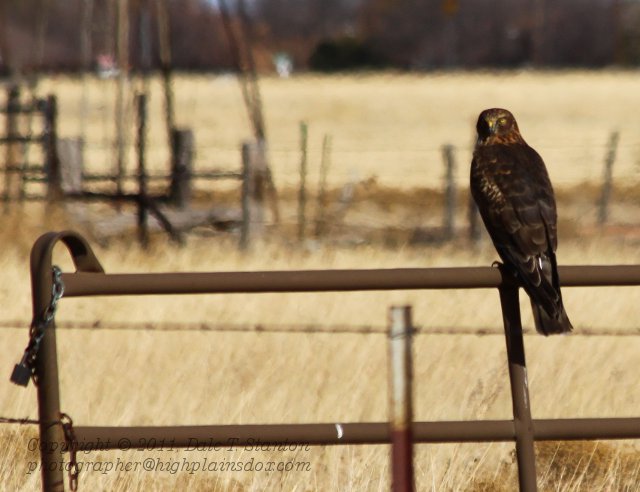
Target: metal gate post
[
  {"x": 522, "y": 421},
  {"x": 400, "y": 401},
  {"x": 51, "y": 433}
]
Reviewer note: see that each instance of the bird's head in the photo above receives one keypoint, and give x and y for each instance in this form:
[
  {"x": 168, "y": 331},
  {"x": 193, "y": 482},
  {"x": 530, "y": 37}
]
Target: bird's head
[{"x": 497, "y": 126}]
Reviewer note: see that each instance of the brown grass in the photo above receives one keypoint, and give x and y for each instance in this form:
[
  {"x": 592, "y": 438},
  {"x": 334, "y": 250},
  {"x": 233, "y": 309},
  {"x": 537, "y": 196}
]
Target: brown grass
[{"x": 122, "y": 377}]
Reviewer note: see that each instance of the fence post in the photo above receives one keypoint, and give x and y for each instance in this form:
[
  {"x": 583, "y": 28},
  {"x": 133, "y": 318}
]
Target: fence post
[
  {"x": 302, "y": 193},
  {"x": 11, "y": 131},
  {"x": 182, "y": 145},
  {"x": 253, "y": 192},
  {"x": 400, "y": 401},
  {"x": 449, "y": 191},
  {"x": 54, "y": 191},
  {"x": 321, "y": 218},
  {"x": 607, "y": 179},
  {"x": 143, "y": 213},
  {"x": 522, "y": 421},
  {"x": 71, "y": 156}
]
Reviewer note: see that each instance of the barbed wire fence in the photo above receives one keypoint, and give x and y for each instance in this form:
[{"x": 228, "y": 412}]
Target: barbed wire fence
[{"x": 172, "y": 326}]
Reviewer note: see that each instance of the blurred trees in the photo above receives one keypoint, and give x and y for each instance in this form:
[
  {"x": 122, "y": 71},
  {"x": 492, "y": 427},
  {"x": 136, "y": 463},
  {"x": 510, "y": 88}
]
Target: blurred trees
[{"x": 407, "y": 34}]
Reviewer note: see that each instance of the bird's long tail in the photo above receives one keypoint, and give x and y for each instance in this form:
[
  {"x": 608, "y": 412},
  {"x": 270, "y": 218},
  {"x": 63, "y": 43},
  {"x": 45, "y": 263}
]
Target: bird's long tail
[{"x": 551, "y": 324}]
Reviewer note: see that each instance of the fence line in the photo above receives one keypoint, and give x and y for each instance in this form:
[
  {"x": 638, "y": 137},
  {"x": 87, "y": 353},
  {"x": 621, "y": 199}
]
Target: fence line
[
  {"x": 299, "y": 328},
  {"x": 40, "y": 359}
]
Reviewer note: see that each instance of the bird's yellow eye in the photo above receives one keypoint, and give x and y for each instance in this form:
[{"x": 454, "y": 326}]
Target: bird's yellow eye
[{"x": 502, "y": 121}]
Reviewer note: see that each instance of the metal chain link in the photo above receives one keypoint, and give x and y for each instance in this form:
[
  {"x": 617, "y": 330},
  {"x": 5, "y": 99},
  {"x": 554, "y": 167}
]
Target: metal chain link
[
  {"x": 72, "y": 446},
  {"x": 38, "y": 326},
  {"x": 71, "y": 443}
]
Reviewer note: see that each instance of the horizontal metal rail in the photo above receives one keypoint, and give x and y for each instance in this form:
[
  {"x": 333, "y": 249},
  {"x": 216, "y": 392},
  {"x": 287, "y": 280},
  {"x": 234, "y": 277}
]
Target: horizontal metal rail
[
  {"x": 96, "y": 284},
  {"x": 352, "y": 433}
]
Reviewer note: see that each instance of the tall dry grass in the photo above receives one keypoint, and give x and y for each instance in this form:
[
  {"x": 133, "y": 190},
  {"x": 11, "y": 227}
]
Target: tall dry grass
[{"x": 123, "y": 377}]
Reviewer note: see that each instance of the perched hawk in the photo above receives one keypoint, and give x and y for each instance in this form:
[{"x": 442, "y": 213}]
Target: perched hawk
[{"x": 510, "y": 185}]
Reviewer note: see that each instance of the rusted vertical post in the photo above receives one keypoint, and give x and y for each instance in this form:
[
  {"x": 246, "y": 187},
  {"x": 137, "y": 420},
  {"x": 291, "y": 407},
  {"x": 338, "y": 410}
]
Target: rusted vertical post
[
  {"x": 182, "y": 146},
  {"x": 54, "y": 181},
  {"x": 51, "y": 435},
  {"x": 523, "y": 423},
  {"x": 400, "y": 402},
  {"x": 449, "y": 191},
  {"x": 607, "y": 179},
  {"x": 143, "y": 229}
]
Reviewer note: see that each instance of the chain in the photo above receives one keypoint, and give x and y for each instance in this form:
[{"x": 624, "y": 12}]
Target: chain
[
  {"x": 71, "y": 443},
  {"x": 72, "y": 446},
  {"x": 37, "y": 330}
]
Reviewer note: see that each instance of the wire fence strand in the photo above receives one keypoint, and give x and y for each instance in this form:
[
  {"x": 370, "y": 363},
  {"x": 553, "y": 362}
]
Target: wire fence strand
[{"x": 299, "y": 328}]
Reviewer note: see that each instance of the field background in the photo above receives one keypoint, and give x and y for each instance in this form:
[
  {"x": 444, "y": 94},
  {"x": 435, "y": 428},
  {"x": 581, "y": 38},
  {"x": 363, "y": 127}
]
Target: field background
[{"x": 387, "y": 131}]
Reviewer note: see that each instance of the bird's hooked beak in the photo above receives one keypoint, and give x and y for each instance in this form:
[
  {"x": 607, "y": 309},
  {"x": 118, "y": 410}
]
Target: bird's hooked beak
[{"x": 491, "y": 123}]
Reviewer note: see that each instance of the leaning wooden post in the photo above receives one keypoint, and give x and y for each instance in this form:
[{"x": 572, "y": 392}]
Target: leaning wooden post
[
  {"x": 400, "y": 402},
  {"x": 182, "y": 146},
  {"x": 302, "y": 193},
  {"x": 607, "y": 180},
  {"x": 449, "y": 191},
  {"x": 164, "y": 43},
  {"x": 522, "y": 421},
  {"x": 122, "y": 88},
  {"x": 54, "y": 180},
  {"x": 143, "y": 213}
]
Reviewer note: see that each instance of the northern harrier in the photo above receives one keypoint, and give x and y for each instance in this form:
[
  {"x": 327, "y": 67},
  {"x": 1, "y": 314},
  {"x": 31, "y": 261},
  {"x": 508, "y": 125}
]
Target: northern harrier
[{"x": 510, "y": 185}]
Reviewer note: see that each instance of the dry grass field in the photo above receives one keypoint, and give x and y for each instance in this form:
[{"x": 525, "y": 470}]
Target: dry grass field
[{"x": 384, "y": 127}]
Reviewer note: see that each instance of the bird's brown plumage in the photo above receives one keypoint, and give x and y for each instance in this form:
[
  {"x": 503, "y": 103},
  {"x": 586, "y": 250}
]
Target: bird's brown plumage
[{"x": 510, "y": 185}]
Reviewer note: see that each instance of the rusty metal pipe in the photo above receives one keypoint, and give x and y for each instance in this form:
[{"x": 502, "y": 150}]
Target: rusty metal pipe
[
  {"x": 51, "y": 433},
  {"x": 96, "y": 438},
  {"x": 523, "y": 424},
  {"x": 47, "y": 373},
  {"x": 400, "y": 401},
  {"x": 94, "y": 284}
]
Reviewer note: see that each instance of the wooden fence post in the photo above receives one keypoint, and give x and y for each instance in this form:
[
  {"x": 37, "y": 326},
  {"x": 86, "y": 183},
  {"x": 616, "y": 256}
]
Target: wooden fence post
[
  {"x": 52, "y": 163},
  {"x": 253, "y": 192},
  {"x": 182, "y": 144},
  {"x": 607, "y": 179},
  {"x": 70, "y": 154},
  {"x": 12, "y": 149},
  {"x": 322, "y": 191},
  {"x": 302, "y": 194},
  {"x": 143, "y": 213},
  {"x": 449, "y": 191},
  {"x": 400, "y": 401}
]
